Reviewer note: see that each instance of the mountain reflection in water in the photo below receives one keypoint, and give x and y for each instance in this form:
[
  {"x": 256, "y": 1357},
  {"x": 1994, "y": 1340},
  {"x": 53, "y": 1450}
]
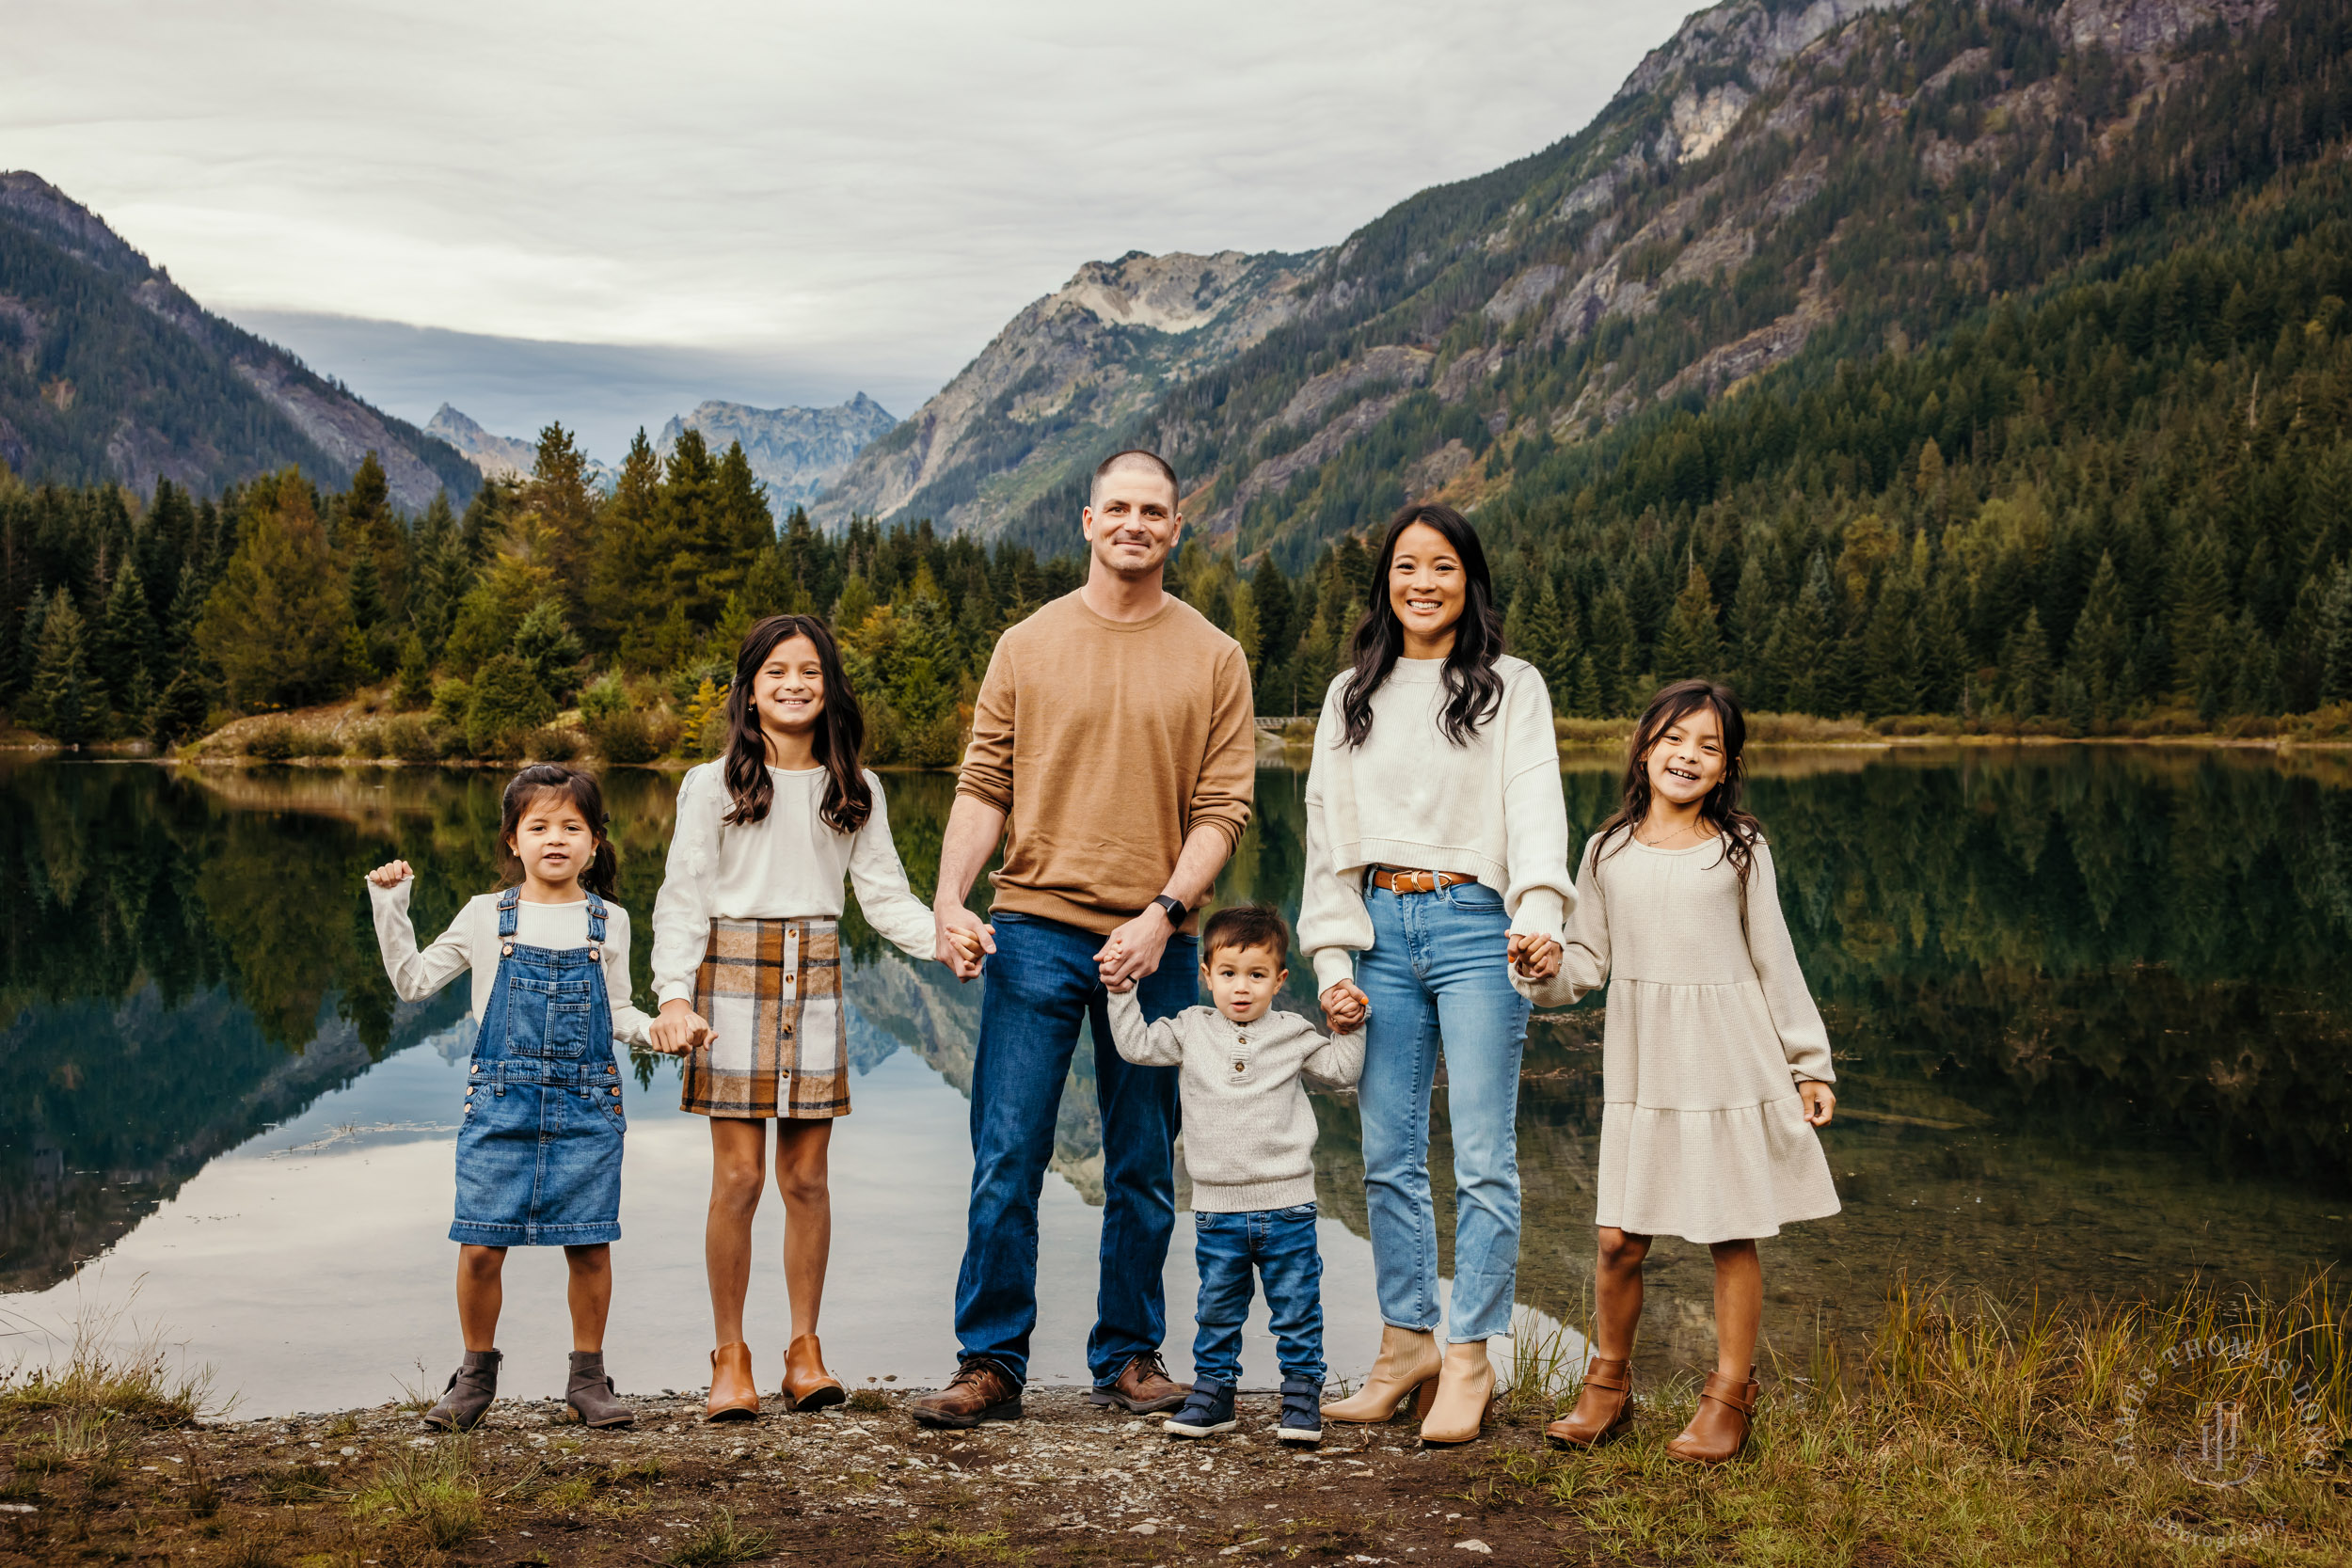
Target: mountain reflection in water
[{"x": 2088, "y": 1005}]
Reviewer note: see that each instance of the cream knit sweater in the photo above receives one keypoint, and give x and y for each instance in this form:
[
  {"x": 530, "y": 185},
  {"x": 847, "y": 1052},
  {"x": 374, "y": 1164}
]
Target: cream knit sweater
[
  {"x": 1410, "y": 798},
  {"x": 1250, "y": 1132}
]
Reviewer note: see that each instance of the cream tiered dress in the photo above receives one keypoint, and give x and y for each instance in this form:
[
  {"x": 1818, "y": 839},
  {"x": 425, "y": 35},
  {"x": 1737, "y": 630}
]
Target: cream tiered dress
[{"x": 1710, "y": 1030}]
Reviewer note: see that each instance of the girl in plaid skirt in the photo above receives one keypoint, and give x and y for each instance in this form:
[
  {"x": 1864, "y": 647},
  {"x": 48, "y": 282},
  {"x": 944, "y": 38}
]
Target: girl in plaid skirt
[{"x": 747, "y": 970}]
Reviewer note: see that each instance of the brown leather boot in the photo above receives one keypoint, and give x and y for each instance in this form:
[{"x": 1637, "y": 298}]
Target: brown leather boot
[
  {"x": 1604, "y": 1406},
  {"x": 1718, "y": 1429},
  {"x": 1465, "y": 1391},
  {"x": 1405, "y": 1370},
  {"x": 980, "y": 1391},
  {"x": 734, "y": 1396},
  {"x": 1143, "y": 1387},
  {"x": 806, "y": 1384}
]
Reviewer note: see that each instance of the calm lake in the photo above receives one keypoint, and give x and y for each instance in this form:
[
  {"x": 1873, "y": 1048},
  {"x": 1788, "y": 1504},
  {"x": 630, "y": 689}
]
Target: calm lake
[{"x": 2091, "y": 1010}]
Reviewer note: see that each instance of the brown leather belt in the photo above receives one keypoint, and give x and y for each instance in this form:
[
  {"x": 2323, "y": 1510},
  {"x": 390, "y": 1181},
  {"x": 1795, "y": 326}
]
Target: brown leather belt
[{"x": 1394, "y": 881}]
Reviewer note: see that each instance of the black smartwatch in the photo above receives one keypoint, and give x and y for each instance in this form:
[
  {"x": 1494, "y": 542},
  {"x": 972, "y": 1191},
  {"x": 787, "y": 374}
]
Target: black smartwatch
[{"x": 1174, "y": 910}]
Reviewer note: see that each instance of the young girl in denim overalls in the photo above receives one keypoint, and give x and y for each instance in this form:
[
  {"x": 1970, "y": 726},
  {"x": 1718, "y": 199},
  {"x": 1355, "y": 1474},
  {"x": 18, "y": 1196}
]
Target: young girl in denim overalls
[{"x": 539, "y": 1151}]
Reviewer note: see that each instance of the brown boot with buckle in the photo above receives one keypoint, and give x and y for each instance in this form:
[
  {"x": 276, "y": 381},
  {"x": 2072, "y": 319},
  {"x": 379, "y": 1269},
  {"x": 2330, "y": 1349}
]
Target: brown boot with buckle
[
  {"x": 806, "y": 1384},
  {"x": 1143, "y": 1387},
  {"x": 1604, "y": 1407},
  {"x": 980, "y": 1391},
  {"x": 1718, "y": 1429},
  {"x": 734, "y": 1396}
]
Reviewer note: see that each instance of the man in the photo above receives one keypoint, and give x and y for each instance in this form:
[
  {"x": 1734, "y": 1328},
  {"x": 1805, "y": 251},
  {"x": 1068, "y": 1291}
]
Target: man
[{"x": 1114, "y": 731}]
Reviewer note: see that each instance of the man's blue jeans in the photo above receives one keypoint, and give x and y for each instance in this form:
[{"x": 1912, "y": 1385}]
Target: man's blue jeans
[
  {"x": 1281, "y": 1242},
  {"x": 1436, "y": 971},
  {"x": 1039, "y": 983}
]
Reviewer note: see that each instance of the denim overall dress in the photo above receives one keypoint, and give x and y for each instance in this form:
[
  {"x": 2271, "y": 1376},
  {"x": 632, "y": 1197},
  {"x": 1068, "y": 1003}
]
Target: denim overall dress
[{"x": 539, "y": 1154}]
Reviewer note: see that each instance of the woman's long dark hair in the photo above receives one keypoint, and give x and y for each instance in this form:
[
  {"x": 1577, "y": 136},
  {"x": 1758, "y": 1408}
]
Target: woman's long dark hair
[
  {"x": 1736, "y": 830},
  {"x": 603, "y": 870},
  {"x": 1473, "y": 691},
  {"x": 840, "y": 731}
]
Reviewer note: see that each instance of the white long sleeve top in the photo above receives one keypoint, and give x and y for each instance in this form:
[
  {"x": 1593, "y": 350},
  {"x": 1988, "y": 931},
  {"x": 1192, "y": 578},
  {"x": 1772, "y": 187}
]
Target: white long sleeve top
[
  {"x": 789, "y": 865},
  {"x": 1411, "y": 799},
  {"x": 472, "y": 943}
]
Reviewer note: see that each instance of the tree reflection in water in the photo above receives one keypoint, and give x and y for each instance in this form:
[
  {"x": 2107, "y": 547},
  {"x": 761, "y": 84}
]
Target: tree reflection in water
[{"x": 2090, "y": 1005}]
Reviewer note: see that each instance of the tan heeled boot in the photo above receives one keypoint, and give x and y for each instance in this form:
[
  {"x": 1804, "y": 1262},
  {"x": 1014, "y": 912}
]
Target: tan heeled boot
[
  {"x": 734, "y": 1396},
  {"x": 1719, "y": 1428},
  {"x": 1406, "y": 1368},
  {"x": 1466, "y": 1389},
  {"x": 1604, "y": 1406},
  {"x": 806, "y": 1384}
]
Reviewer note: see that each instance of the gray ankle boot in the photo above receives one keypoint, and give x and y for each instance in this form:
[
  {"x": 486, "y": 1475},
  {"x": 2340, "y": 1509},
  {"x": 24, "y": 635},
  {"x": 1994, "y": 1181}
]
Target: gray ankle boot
[
  {"x": 590, "y": 1393},
  {"x": 471, "y": 1388}
]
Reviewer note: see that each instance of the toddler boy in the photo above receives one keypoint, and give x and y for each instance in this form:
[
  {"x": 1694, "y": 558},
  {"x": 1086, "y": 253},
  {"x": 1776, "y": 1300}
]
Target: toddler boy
[{"x": 1249, "y": 1141}]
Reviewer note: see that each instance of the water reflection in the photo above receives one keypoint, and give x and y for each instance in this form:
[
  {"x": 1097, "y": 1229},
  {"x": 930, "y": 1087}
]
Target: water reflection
[{"x": 2089, "y": 1005}]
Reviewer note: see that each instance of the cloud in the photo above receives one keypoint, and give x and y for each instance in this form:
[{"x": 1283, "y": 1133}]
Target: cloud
[{"x": 824, "y": 184}]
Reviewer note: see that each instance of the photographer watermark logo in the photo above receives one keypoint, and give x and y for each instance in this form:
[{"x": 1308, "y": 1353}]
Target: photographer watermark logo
[
  {"x": 2220, "y": 1456},
  {"x": 2221, "y": 1451}
]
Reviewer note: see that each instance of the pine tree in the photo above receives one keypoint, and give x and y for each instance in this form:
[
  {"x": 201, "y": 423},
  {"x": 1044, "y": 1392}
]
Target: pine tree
[
  {"x": 124, "y": 643},
  {"x": 67, "y": 702},
  {"x": 2026, "y": 668},
  {"x": 1584, "y": 699},
  {"x": 547, "y": 646},
  {"x": 1692, "y": 643},
  {"x": 1541, "y": 637},
  {"x": 415, "y": 686},
  {"x": 1271, "y": 592},
  {"x": 366, "y": 599},
  {"x": 1751, "y": 624},
  {"x": 274, "y": 623},
  {"x": 2097, "y": 652},
  {"x": 2200, "y": 600},
  {"x": 180, "y": 711},
  {"x": 1615, "y": 657},
  {"x": 1244, "y": 627}
]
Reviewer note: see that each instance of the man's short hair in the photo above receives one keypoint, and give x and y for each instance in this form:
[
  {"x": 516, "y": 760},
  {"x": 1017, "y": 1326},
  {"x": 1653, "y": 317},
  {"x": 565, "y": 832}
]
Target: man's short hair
[
  {"x": 1136, "y": 456},
  {"x": 1246, "y": 925}
]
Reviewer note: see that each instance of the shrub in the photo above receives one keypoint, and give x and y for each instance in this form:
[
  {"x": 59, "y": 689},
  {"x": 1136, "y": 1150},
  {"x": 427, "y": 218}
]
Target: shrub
[
  {"x": 270, "y": 742},
  {"x": 316, "y": 743},
  {"x": 629, "y": 736},
  {"x": 450, "y": 699},
  {"x": 364, "y": 740},
  {"x": 411, "y": 738},
  {"x": 551, "y": 744},
  {"x": 508, "y": 700},
  {"x": 605, "y": 699}
]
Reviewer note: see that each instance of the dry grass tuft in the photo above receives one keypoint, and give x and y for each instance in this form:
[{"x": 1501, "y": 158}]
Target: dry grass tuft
[
  {"x": 103, "y": 1376},
  {"x": 435, "y": 1491}
]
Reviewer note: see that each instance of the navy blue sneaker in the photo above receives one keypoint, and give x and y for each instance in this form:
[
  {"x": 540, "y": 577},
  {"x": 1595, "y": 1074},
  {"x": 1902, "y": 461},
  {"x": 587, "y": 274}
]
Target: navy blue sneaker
[
  {"x": 1302, "y": 1411},
  {"x": 1208, "y": 1410}
]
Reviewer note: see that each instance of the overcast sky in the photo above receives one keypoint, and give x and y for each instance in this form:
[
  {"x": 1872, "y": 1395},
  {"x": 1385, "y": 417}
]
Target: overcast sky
[{"x": 771, "y": 202}]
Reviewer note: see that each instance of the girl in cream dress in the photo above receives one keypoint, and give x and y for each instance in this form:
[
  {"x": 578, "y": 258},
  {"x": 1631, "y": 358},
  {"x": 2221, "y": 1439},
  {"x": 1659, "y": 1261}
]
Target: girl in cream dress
[{"x": 1715, "y": 1065}]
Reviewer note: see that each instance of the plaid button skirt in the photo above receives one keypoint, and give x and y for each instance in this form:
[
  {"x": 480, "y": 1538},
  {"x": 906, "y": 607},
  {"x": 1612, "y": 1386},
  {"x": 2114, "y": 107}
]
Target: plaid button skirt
[{"x": 772, "y": 991}]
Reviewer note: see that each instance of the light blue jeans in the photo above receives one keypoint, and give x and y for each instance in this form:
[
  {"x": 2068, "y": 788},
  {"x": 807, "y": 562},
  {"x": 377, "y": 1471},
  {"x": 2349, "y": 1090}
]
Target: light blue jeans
[{"x": 1436, "y": 972}]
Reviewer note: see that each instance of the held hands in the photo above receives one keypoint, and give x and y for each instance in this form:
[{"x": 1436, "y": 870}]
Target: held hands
[
  {"x": 1819, "y": 1102},
  {"x": 1535, "y": 958},
  {"x": 1344, "y": 1007},
  {"x": 1134, "y": 950},
  {"x": 390, "y": 874},
  {"x": 679, "y": 1029},
  {"x": 960, "y": 939}
]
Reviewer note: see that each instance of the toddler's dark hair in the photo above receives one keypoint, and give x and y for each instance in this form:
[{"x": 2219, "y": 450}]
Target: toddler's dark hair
[
  {"x": 603, "y": 871},
  {"x": 1246, "y": 925}
]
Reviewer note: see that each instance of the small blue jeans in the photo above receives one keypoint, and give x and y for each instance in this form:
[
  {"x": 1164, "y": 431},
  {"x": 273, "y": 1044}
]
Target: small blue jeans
[
  {"x": 1435, "y": 972},
  {"x": 1039, "y": 984},
  {"x": 1280, "y": 1243}
]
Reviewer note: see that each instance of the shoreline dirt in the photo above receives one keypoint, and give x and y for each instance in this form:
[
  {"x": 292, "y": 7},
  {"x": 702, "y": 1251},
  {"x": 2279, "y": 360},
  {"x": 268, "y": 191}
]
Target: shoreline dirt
[{"x": 1073, "y": 1483}]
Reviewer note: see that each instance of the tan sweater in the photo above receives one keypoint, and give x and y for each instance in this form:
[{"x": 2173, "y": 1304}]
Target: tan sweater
[{"x": 1106, "y": 742}]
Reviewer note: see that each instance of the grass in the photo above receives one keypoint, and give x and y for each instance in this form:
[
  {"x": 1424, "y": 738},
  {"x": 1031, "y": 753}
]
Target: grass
[
  {"x": 871, "y": 1401},
  {"x": 719, "y": 1540},
  {"x": 435, "y": 1490},
  {"x": 101, "y": 1378},
  {"x": 941, "y": 1544},
  {"x": 1981, "y": 1431}
]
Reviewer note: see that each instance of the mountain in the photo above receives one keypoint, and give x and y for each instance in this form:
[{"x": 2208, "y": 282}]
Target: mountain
[
  {"x": 501, "y": 456},
  {"x": 109, "y": 370},
  {"x": 795, "y": 451},
  {"x": 1030, "y": 412},
  {"x": 1781, "y": 181},
  {"x": 497, "y": 456}
]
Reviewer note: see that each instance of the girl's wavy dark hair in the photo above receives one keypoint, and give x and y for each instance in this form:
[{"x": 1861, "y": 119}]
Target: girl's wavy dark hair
[
  {"x": 1738, "y": 832},
  {"x": 587, "y": 796},
  {"x": 841, "y": 732},
  {"x": 1473, "y": 691}
]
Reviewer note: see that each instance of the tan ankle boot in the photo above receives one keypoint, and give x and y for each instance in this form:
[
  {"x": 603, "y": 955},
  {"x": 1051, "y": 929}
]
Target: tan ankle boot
[
  {"x": 734, "y": 1396},
  {"x": 806, "y": 1384},
  {"x": 1466, "y": 1389},
  {"x": 1604, "y": 1406},
  {"x": 1406, "y": 1369},
  {"x": 1719, "y": 1428}
]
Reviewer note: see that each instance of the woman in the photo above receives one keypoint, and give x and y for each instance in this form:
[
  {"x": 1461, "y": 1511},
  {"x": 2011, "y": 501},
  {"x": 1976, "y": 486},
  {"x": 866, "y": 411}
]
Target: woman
[
  {"x": 1436, "y": 866},
  {"x": 747, "y": 967}
]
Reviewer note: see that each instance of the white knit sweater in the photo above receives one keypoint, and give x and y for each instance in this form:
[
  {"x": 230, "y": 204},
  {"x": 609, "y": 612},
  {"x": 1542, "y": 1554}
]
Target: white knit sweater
[
  {"x": 1411, "y": 799},
  {"x": 1249, "y": 1134}
]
